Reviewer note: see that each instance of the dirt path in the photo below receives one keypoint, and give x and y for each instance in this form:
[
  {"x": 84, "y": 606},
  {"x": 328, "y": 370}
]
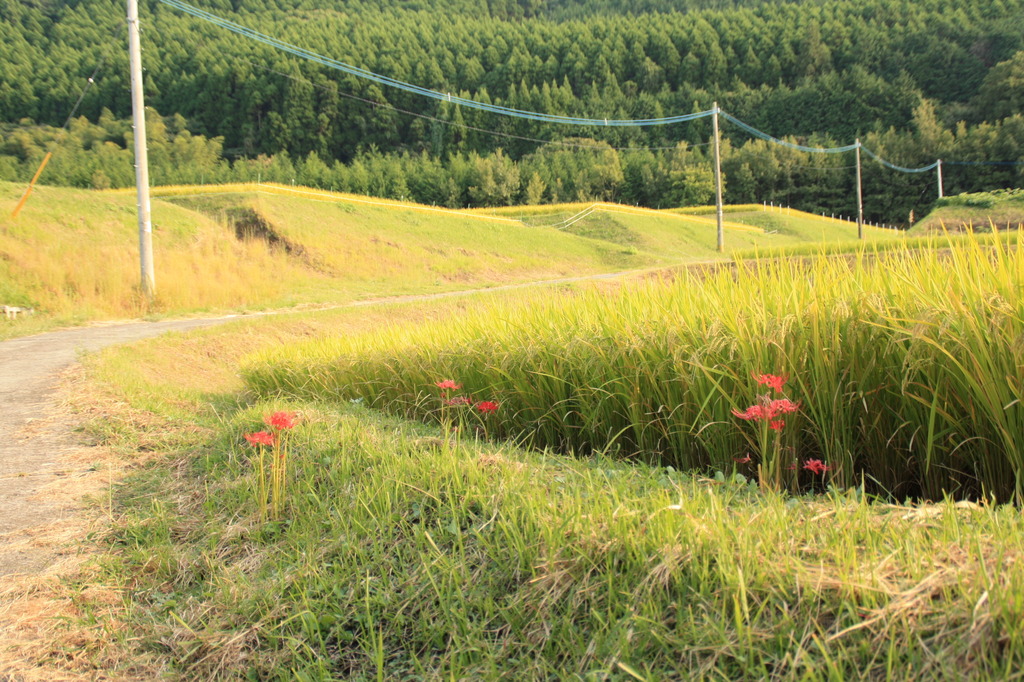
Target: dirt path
[{"x": 37, "y": 433}]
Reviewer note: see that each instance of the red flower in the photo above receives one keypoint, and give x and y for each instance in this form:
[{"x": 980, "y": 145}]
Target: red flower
[
  {"x": 771, "y": 380},
  {"x": 459, "y": 400},
  {"x": 752, "y": 413},
  {"x": 782, "y": 406},
  {"x": 487, "y": 406},
  {"x": 260, "y": 438},
  {"x": 742, "y": 460},
  {"x": 776, "y": 425},
  {"x": 282, "y": 420},
  {"x": 816, "y": 466},
  {"x": 448, "y": 383}
]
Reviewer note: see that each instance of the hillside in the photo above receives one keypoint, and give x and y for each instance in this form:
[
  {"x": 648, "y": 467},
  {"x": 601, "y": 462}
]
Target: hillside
[
  {"x": 977, "y": 212},
  {"x": 72, "y": 254}
]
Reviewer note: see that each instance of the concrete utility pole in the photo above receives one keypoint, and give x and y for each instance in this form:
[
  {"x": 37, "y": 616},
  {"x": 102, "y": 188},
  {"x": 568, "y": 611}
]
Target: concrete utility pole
[
  {"x": 148, "y": 279},
  {"x": 718, "y": 178},
  {"x": 938, "y": 167},
  {"x": 860, "y": 197}
]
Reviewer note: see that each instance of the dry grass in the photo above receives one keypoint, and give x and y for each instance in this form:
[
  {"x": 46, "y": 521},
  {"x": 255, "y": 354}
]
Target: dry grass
[{"x": 64, "y": 622}]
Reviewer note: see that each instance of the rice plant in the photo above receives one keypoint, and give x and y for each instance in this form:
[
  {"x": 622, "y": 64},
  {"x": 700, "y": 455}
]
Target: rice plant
[{"x": 907, "y": 363}]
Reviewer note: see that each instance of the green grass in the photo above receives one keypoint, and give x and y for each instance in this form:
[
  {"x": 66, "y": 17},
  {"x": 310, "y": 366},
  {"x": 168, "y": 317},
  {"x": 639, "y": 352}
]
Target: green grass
[
  {"x": 403, "y": 557},
  {"x": 975, "y": 212},
  {"x": 907, "y": 365},
  {"x": 390, "y": 249}
]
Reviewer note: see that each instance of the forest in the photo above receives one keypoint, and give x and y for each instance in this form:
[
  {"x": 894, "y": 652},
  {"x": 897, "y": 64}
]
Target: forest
[{"x": 915, "y": 81}]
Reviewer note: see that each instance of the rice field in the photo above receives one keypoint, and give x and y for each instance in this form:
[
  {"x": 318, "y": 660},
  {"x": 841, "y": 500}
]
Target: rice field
[{"x": 906, "y": 367}]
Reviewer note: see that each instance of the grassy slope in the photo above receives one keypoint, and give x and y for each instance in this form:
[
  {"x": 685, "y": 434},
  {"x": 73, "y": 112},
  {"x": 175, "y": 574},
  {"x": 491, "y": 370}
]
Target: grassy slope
[
  {"x": 403, "y": 556},
  {"x": 1006, "y": 215},
  {"x": 975, "y": 212},
  {"x": 72, "y": 254},
  {"x": 367, "y": 246}
]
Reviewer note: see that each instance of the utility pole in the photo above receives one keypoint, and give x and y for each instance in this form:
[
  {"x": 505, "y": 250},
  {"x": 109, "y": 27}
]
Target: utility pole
[
  {"x": 938, "y": 167},
  {"x": 860, "y": 197},
  {"x": 148, "y": 279},
  {"x": 718, "y": 178}
]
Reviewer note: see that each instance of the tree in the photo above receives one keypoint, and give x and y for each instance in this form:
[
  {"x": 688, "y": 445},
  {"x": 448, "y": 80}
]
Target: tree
[{"x": 1002, "y": 92}]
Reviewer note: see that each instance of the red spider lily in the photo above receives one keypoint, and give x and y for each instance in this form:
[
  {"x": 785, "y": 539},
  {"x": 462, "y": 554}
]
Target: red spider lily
[
  {"x": 767, "y": 410},
  {"x": 782, "y": 406},
  {"x": 282, "y": 420},
  {"x": 487, "y": 406},
  {"x": 774, "y": 381},
  {"x": 448, "y": 383},
  {"x": 742, "y": 460},
  {"x": 260, "y": 438},
  {"x": 459, "y": 400},
  {"x": 816, "y": 466},
  {"x": 776, "y": 425},
  {"x": 752, "y": 413}
]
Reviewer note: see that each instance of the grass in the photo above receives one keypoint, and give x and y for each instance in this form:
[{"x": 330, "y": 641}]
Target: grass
[
  {"x": 72, "y": 254},
  {"x": 412, "y": 550},
  {"x": 404, "y": 553},
  {"x": 975, "y": 212},
  {"x": 904, "y": 364},
  {"x": 405, "y": 557}
]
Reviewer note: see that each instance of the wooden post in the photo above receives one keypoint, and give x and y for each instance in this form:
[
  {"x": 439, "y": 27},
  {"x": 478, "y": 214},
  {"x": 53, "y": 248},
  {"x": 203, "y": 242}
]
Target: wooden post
[
  {"x": 24, "y": 197},
  {"x": 718, "y": 178}
]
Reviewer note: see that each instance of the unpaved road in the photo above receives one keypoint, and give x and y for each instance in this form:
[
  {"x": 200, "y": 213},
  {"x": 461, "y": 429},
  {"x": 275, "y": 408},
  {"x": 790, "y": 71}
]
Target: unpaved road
[{"x": 35, "y": 431}]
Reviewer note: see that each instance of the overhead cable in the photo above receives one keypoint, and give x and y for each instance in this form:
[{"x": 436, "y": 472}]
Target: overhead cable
[
  {"x": 765, "y": 136},
  {"x": 922, "y": 169},
  {"x": 419, "y": 90}
]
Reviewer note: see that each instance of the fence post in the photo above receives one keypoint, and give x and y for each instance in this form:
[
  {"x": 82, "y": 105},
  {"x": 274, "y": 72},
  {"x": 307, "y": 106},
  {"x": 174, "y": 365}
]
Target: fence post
[
  {"x": 860, "y": 196},
  {"x": 718, "y": 179}
]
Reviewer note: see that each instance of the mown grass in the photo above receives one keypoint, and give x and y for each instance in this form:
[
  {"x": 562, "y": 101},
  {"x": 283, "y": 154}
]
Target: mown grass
[
  {"x": 405, "y": 552},
  {"x": 907, "y": 365},
  {"x": 73, "y": 254}
]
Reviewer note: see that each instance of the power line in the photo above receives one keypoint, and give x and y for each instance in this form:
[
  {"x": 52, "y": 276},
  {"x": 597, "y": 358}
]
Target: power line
[
  {"x": 799, "y": 147},
  {"x": 464, "y": 126},
  {"x": 983, "y": 163},
  {"x": 922, "y": 169},
  {"x": 419, "y": 90}
]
